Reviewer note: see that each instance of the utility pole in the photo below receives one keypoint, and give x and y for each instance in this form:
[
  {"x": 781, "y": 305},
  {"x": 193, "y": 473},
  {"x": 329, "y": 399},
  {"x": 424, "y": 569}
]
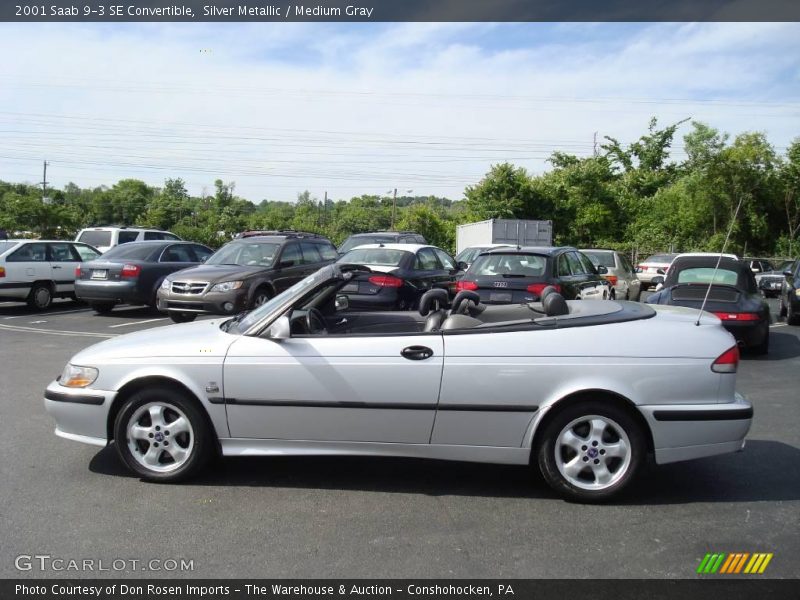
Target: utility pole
[
  {"x": 394, "y": 206},
  {"x": 44, "y": 184},
  {"x": 594, "y": 145}
]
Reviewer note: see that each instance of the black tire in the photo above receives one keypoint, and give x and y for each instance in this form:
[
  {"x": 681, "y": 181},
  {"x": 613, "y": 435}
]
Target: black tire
[
  {"x": 260, "y": 296},
  {"x": 763, "y": 347},
  {"x": 103, "y": 308},
  {"x": 196, "y": 441},
  {"x": 621, "y": 470},
  {"x": 179, "y": 317},
  {"x": 40, "y": 296},
  {"x": 782, "y": 311},
  {"x": 792, "y": 318}
]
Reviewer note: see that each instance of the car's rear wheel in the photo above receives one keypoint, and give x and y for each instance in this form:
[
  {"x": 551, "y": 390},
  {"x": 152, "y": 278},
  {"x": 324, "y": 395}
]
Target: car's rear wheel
[
  {"x": 161, "y": 435},
  {"x": 792, "y": 318},
  {"x": 41, "y": 296},
  {"x": 102, "y": 308},
  {"x": 590, "y": 451},
  {"x": 179, "y": 317}
]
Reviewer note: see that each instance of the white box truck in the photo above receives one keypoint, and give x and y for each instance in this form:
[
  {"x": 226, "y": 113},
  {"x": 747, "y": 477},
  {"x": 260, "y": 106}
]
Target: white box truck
[{"x": 516, "y": 232}]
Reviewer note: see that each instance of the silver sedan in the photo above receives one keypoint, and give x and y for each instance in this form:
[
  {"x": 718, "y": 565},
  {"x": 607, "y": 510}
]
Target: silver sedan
[{"x": 521, "y": 384}]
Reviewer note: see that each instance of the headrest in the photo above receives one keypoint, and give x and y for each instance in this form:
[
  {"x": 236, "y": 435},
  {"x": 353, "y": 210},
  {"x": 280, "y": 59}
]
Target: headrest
[
  {"x": 461, "y": 301},
  {"x": 554, "y": 305},
  {"x": 546, "y": 291},
  {"x": 431, "y": 300}
]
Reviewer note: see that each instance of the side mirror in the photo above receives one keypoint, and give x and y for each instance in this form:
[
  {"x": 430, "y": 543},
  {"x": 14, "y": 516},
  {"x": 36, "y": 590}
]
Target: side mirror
[
  {"x": 657, "y": 280},
  {"x": 280, "y": 329},
  {"x": 342, "y": 303},
  {"x": 461, "y": 266},
  {"x": 787, "y": 273},
  {"x": 285, "y": 263},
  {"x": 601, "y": 270}
]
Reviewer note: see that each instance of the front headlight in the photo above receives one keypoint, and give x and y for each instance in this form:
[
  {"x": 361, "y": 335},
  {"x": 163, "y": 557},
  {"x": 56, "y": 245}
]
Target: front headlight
[
  {"x": 165, "y": 284},
  {"x": 75, "y": 376},
  {"x": 227, "y": 286}
]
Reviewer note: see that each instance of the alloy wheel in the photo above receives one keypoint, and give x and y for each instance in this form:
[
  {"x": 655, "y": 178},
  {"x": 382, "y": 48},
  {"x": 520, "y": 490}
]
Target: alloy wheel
[{"x": 160, "y": 437}]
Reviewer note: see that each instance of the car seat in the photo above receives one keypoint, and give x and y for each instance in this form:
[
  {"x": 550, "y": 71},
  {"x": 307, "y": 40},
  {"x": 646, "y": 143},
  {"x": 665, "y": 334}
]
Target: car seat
[{"x": 434, "y": 304}]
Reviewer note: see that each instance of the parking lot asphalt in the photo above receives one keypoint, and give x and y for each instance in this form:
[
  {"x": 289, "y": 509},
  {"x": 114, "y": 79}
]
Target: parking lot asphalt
[{"x": 378, "y": 517}]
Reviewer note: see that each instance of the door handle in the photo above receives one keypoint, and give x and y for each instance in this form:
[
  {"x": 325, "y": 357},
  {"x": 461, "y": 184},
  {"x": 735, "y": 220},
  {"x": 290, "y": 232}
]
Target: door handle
[
  {"x": 56, "y": 267},
  {"x": 416, "y": 352}
]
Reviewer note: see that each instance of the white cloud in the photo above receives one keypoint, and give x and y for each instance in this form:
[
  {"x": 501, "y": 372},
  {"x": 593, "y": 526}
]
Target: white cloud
[{"x": 362, "y": 109}]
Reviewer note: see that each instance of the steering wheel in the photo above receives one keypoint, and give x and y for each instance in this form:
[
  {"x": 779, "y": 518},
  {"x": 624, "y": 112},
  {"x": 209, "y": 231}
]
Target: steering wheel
[{"x": 315, "y": 322}]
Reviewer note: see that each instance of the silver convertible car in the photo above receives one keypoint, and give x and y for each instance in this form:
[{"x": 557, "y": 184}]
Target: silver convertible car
[{"x": 529, "y": 384}]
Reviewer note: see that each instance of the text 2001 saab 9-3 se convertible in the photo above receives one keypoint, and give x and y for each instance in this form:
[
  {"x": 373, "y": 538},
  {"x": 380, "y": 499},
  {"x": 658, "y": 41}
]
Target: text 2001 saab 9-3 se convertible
[{"x": 520, "y": 384}]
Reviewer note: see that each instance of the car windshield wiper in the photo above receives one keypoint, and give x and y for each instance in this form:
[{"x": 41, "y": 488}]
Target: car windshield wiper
[{"x": 234, "y": 320}]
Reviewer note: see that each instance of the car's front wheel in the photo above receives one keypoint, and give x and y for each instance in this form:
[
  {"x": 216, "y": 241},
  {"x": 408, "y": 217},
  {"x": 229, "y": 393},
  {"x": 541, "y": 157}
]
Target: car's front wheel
[
  {"x": 161, "y": 435},
  {"x": 590, "y": 451},
  {"x": 102, "y": 308},
  {"x": 178, "y": 317}
]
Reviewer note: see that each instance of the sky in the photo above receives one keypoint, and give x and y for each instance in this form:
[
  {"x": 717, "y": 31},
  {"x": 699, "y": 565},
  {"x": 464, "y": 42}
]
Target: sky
[{"x": 353, "y": 109}]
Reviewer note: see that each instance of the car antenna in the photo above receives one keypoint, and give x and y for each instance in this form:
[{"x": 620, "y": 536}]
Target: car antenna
[{"x": 719, "y": 260}]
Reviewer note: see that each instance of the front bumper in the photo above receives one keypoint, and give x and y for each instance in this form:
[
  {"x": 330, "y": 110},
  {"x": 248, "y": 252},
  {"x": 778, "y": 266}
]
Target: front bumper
[
  {"x": 217, "y": 303},
  {"x": 688, "y": 431},
  {"x": 80, "y": 414}
]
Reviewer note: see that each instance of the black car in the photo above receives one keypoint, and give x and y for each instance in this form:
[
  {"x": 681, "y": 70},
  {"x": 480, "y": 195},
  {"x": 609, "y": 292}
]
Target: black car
[
  {"x": 243, "y": 274},
  {"x": 790, "y": 294},
  {"x": 401, "y": 274},
  {"x": 381, "y": 237},
  {"x": 512, "y": 275},
  {"x": 733, "y": 295},
  {"x": 132, "y": 273}
]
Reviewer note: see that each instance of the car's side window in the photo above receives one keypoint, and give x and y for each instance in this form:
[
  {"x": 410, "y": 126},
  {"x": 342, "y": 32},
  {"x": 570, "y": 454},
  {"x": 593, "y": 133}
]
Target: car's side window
[
  {"x": 127, "y": 236},
  {"x": 291, "y": 255},
  {"x": 426, "y": 260},
  {"x": 153, "y": 235},
  {"x": 85, "y": 252},
  {"x": 562, "y": 267},
  {"x": 310, "y": 253},
  {"x": 588, "y": 267},
  {"x": 575, "y": 264},
  {"x": 29, "y": 253},
  {"x": 201, "y": 252},
  {"x": 626, "y": 264},
  {"x": 177, "y": 253},
  {"x": 327, "y": 251},
  {"x": 445, "y": 259},
  {"x": 169, "y": 236},
  {"x": 62, "y": 253}
]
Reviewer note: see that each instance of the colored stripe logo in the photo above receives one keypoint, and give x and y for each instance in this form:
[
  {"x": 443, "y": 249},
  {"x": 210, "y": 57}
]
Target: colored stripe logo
[{"x": 734, "y": 563}]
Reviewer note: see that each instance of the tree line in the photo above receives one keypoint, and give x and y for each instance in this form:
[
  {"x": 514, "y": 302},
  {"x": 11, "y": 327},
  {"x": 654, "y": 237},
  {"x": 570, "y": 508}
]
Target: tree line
[{"x": 632, "y": 197}]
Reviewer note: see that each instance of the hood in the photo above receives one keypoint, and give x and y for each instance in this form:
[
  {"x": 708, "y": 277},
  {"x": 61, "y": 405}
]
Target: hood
[
  {"x": 216, "y": 273},
  {"x": 203, "y": 338}
]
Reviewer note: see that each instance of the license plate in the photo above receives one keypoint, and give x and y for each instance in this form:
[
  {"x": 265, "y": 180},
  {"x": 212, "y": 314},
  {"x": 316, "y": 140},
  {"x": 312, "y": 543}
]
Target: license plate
[
  {"x": 500, "y": 297},
  {"x": 100, "y": 274}
]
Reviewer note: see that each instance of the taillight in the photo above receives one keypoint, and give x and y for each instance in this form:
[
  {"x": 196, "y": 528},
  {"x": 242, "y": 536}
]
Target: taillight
[
  {"x": 77, "y": 272},
  {"x": 612, "y": 279},
  {"x": 470, "y": 286},
  {"x": 538, "y": 288},
  {"x": 389, "y": 281},
  {"x": 728, "y": 316},
  {"x": 2, "y": 271},
  {"x": 727, "y": 362},
  {"x": 131, "y": 271}
]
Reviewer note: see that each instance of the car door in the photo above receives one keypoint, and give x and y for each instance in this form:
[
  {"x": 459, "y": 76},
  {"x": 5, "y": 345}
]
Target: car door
[
  {"x": 358, "y": 388},
  {"x": 570, "y": 284},
  {"x": 173, "y": 258},
  {"x": 63, "y": 261},
  {"x": 312, "y": 259},
  {"x": 447, "y": 276},
  {"x": 289, "y": 267},
  {"x": 25, "y": 265},
  {"x": 425, "y": 270}
]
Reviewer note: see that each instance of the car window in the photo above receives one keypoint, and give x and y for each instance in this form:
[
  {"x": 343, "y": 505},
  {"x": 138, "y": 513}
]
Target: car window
[
  {"x": 445, "y": 259},
  {"x": 575, "y": 264},
  {"x": 291, "y": 255},
  {"x": 177, "y": 253},
  {"x": 29, "y": 253},
  {"x": 374, "y": 256},
  {"x": 467, "y": 255},
  {"x": 246, "y": 253},
  {"x": 524, "y": 265},
  {"x": 6, "y": 246},
  {"x": 201, "y": 252},
  {"x": 62, "y": 253},
  {"x": 588, "y": 267},
  {"x": 426, "y": 260},
  {"x": 660, "y": 258},
  {"x": 153, "y": 235},
  {"x": 706, "y": 275},
  {"x": 327, "y": 251},
  {"x": 138, "y": 251},
  {"x": 600, "y": 259},
  {"x": 310, "y": 253},
  {"x": 361, "y": 240},
  {"x": 85, "y": 252},
  {"x": 95, "y": 238},
  {"x": 562, "y": 268},
  {"x": 126, "y": 236},
  {"x": 169, "y": 236},
  {"x": 626, "y": 264}
]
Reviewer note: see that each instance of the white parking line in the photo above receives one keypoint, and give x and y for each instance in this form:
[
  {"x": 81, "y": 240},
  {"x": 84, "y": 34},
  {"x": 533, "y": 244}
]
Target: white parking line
[
  {"x": 63, "y": 312},
  {"x": 137, "y": 322},
  {"x": 56, "y": 331},
  {"x": 778, "y": 325}
]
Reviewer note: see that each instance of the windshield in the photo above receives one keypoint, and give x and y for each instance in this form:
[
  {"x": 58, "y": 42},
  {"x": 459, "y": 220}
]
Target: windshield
[
  {"x": 660, "y": 258},
  {"x": 361, "y": 240},
  {"x": 95, "y": 238},
  {"x": 374, "y": 256},
  {"x": 600, "y": 259},
  {"x": 259, "y": 254},
  {"x": 706, "y": 274},
  {"x": 294, "y": 292},
  {"x": 522, "y": 265},
  {"x": 131, "y": 251}
]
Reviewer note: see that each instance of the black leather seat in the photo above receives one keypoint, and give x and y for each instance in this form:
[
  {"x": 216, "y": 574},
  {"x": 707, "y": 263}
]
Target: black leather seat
[
  {"x": 554, "y": 304},
  {"x": 434, "y": 304}
]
